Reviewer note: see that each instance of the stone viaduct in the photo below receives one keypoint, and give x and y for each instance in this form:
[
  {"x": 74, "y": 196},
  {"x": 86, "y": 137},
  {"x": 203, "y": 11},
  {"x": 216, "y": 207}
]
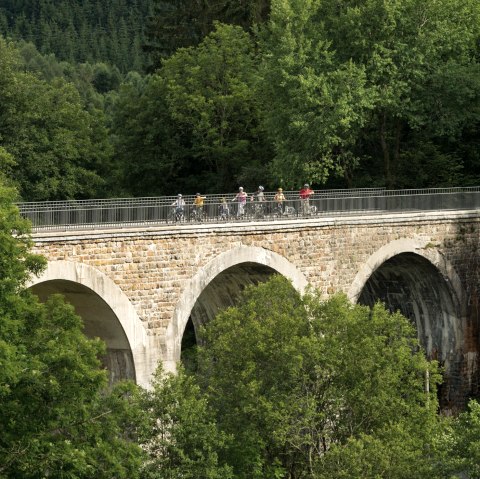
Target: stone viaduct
[{"x": 140, "y": 289}]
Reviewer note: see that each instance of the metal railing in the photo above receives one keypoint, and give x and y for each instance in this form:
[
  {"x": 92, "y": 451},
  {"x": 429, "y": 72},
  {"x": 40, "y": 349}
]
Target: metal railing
[{"x": 62, "y": 215}]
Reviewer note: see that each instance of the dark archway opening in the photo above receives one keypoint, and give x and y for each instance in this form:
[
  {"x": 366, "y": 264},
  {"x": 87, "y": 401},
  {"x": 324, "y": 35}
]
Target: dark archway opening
[
  {"x": 412, "y": 285},
  {"x": 189, "y": 345},
  {"x": 222, "y": 292},
  {"x": 99, "y": 322}
]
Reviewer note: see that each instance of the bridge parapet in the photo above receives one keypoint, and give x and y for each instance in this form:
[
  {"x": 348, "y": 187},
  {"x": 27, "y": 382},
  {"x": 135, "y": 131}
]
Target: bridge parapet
[{"x": 115, "y": 213}]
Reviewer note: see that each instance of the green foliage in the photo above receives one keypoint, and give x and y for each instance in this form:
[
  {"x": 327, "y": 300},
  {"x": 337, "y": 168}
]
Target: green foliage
[
  {"x": 7, "y": 164},
  {"x": 78, "y": 32},
  {"x": 148, "y": 159},
  {"x": 56, "y": 417},
  {"x": 211, "y": 97},
  {"x": 195, "y": 124},
  {"x": 340, "y": 93},
  {"x": 105, "y": 78},
  {"x": 398, "y": 451},
  {"x": 458, "y": 446},
  {"x": 181, "y": 439},
  {"x": 59, "y": 147},
  {"x": 16, "y": 262},
  {"x": 314, "y": 103},
  {"x": 350, "y": 83},
  {"x": 91, "y": 80},
  {"x": 174, "y": 24},
  {"x": 296, "y": 381}
]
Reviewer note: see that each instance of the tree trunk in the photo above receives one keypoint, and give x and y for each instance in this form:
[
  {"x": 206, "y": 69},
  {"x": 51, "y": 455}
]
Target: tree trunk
[
  {"x": 398, "y": 136},
  {"x": 386, "y": 152}
]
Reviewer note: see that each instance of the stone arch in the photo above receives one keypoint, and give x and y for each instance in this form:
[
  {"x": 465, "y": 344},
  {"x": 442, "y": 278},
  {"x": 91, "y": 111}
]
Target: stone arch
[
  {"x": 412, "y": 276},
  {"x": 251, "y": 260},
  {"x": 421, "y": 247},
  {"x": 87, "y": 287}
]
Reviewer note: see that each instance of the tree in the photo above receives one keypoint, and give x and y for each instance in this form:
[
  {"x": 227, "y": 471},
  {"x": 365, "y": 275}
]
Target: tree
[
  {"x": 106, "y": 78},
  {"x": 174, "y": 24},
  {"x": 195, "y": 124},
  {"x": 370, "y": 84},
  {"x": 181, "y": 439},
  {"x": 315, "y": 104},
  {"x": 149, "y": 160},
  {"x": 57, "y": 418},
  {"x": 297, "y": 382},
  {"x": 211, "y": 94},
  {"x": 73, "y": 30},
  {"x": 59, "y": 147},
  {"x": 7, "y": 164},
  {"x": 458, "y": 446}
]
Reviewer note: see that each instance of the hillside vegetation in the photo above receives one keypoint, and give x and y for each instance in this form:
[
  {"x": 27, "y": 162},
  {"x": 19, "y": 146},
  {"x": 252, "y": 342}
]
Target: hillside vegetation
[
  {"x": 108, "y": 31},
  {"x": 132, "y": 98},
  {"x": 193, "y": 96}
]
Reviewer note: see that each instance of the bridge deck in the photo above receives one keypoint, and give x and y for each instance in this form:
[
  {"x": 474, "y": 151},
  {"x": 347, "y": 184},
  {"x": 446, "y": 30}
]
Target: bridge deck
[
  {"x": 189, "y": 229},
  {"x": 142, "y": 212}
]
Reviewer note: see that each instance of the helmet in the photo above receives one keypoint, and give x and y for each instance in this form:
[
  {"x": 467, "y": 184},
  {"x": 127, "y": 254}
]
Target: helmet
[
  {"x": 306, "y": 185},
  {"x": 197, "y": 194},
  {"x": 240, "y": 188},
  {"x": 280, "y": 189},
  {"x": 260, "y": 188},
  {"x": 179, "y": 195}
]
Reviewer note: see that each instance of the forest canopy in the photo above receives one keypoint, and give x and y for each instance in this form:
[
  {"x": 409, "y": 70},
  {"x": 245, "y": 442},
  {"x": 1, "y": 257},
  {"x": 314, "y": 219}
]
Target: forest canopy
[
  {"x": 188, "y": 95},
  {"x": 151, "y": 97}
]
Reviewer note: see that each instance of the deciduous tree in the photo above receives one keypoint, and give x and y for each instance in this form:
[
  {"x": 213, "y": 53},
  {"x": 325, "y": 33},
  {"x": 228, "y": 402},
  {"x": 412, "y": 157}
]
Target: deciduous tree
[
  {"x": 458, "y": 447},
  {"x": 370, "y": 84},
  {"x": 57, "y": 419},
  {"x": 182, "y": 438},
  {"x": 297, "y": 382},
  {"x": 211, "y": 93},
  {"x": 195, "y": 124},
  {"x": 58, "y": 146}
]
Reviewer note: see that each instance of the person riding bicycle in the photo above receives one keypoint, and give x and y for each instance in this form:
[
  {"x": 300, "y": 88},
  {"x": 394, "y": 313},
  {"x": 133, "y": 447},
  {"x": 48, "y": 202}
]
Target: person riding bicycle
[
  {"x": 305, "y": 194},
  {"x": 224, "y": 210},
  {"x": 179, "y": 205},
  {"x": 279, "y": 198},
  {"x": 259, "y": 196},
  {"x": 198, "y": 202},
  {"x": 241, "y": 199}
]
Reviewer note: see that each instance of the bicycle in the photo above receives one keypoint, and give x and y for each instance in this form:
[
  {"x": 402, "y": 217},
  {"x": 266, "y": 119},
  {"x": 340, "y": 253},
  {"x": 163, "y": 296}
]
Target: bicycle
[
  {"x": 307, "y": 209},
  {"x": 242, "y": 210},
  {"x": 289, "y": 211},
  {"x": 258, "y": 211},
  {"x": 197, "y": 214},
  {"x": 277, "y": 210},
  {"x": 224, "y": 212},
  {"x": 176, "y": 214}
]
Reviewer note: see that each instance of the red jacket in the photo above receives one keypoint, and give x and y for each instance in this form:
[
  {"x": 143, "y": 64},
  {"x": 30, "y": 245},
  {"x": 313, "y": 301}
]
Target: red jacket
[{"x": 305, "y": 193}]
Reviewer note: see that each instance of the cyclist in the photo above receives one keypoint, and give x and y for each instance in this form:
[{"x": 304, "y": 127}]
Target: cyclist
[
  {"x": 198, "y": 206},
  {"x": 241, "y": 199},
  {"x": 305, "y": 194},
  {"x": 224, "y": 209},
  {"x": 279, "y": 198},
  {"x": 259, "y": 196},
  {"x": 179, "y": 206}
]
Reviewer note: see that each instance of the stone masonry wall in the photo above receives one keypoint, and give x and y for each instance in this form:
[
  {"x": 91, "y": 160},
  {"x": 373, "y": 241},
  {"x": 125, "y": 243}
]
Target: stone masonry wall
[{"x": 152, "y": 265}]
